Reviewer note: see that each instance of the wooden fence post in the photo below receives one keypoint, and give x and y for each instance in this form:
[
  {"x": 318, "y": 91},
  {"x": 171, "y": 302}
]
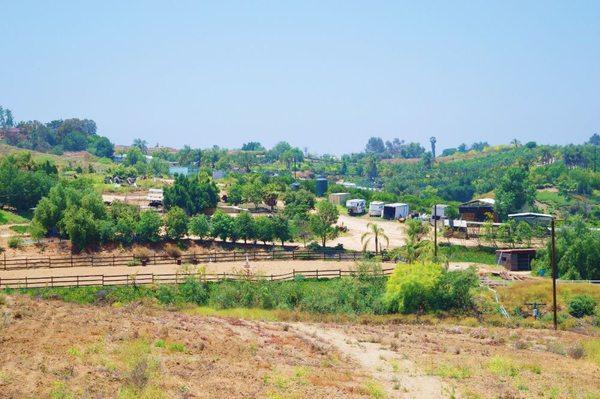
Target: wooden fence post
[
  {"x": 51, "y": 281},
  {"x": 25, "y": 281},
  {"x": 78, "y": 280},
  {"x": 294, "y": 273},
  {"x": 317, "y": 274},
  {"x": 155, "y": 258},
  {"x": 293, "y": 254},
  {"x": 103, "y": 280},
  {"x": 71, "y": 260},
  {"x": 26, "y": 265},
  {"x": 4, "y": 260}
]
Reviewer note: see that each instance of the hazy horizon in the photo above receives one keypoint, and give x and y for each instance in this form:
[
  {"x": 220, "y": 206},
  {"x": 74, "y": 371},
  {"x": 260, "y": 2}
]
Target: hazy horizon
[{"x": 325, "y": 77}]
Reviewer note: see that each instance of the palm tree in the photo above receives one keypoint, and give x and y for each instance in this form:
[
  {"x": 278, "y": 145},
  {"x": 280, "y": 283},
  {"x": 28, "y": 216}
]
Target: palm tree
[
  {"x": 515, "y": 143},
  {"x": 375, "y": 232},
  {"x": 433, "y": 140}
]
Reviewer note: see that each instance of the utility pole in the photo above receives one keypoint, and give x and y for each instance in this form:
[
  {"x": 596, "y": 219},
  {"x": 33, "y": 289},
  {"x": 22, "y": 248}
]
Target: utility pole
[
  {"x": 554, "y": 274},
  {"x": 435, "y": 247}
]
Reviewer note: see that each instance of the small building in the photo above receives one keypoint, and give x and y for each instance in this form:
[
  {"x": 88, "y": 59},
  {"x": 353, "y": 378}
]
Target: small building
[
  {"x": 321, "y": 185},
  {"x": 356, "y": 206},
  {"x": 515, "y": 259},
  {"x": 338, "y": 198},
  {"x": 478, "y": 210},
  {"x": 376, "y": 208},
  {"x": 395, "y": 211}
]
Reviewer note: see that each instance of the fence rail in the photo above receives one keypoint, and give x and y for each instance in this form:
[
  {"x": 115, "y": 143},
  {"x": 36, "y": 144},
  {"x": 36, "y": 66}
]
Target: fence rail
[
  {"x": 167, "y": 278},
  {"x": 163, "y": 259}
]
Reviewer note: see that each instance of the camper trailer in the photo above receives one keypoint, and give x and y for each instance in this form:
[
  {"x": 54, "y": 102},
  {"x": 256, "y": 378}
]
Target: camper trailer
[
  {"x": 395, "y": 211},
  {"x": 356, "y": 206},
  {"x": 376, "y": 208},
  {"x": 155, "y": 197},
  {"x": 438, "y": 212}
]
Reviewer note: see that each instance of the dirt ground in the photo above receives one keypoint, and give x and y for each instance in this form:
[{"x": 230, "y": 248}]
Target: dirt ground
[
  {"x": 357, "y": 226},
  {"x": 61, "y": 350},
  {"x": 264, "y": 268},
  {"x": 58, "y": 350}
]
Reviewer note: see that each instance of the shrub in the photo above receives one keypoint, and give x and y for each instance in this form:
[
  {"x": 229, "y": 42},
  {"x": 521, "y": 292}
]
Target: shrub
[
  {"x": 194, "y": 292},
  {"x": 582, "y": 305},
  {"x": 15, "y": 242},
  {"x": 173, "y": 251},
  {"x": 142, "y": 254},
  {"x": 576, "y": 351},
  {"x": 425, "y": 287}
]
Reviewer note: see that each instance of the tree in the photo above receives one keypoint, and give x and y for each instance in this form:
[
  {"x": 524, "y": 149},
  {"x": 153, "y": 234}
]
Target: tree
[
  {"x": 298, "y": 203},
  {"x": 221, "y": 225},
  {"x": 595, "y": 139},
  {"x": 300, "y": 226},
  {"x": 246, "y": 160},
  {"x": 252, "y": 192},
  {"x": 433, "y": 140},
  {"x": 321, "y": 222},
  {"x": 253, "y": 146},
  {"x": 234, "y": 195},
  {"x": 245, "y": 226},
  {"x": 176, "y": 223},
  {"x": 199, "y": 226},
  {"x": 514, "y": 191},
  {"x": 148, "y": 227},
  {"x": 281, "y": 228},
  {"x": 80, "y": 226},
  {"x": 141, "y": 144},
  {"x": 264, "y": 229},
  {"x": 270, "y": 195},
  {"x": 377, "y": 233},
  {"x": 192, "y": 194},
  {"x": 375, "y": 145},
  {"x": 101, "y": 147}
]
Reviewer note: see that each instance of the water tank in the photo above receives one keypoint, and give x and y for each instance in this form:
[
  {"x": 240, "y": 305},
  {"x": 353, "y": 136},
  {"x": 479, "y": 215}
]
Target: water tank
[{"x": 321, "y": 186}]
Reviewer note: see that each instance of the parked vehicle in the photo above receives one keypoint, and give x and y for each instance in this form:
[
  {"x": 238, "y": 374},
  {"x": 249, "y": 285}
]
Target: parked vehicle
[
  {"x": 356, "y": 206},
  {"x": 395, "y": 211},
  {"x": 376, "y": 208}
]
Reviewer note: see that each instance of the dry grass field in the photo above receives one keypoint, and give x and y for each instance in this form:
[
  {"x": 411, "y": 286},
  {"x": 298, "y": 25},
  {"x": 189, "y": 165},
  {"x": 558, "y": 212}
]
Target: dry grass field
[{"x": 63, "y": 350}]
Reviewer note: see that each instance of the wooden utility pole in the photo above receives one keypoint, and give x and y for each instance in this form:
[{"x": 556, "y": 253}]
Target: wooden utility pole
[
  {"x": 554, "y": 274},
  {"x": 435, "y": 247}
]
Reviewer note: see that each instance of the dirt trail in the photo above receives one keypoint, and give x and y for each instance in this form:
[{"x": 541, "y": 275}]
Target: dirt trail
[{"x": 397, "y": 375}]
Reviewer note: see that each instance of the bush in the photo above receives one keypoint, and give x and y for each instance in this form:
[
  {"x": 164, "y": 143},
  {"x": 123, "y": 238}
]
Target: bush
[
  {"x": 173, "y": 251},
  {"x": 425, "y": 287},
  {"x": 15, "y": 242},
  {"x": 582, "y": 305},
  {"x": 142, "y": 254}
]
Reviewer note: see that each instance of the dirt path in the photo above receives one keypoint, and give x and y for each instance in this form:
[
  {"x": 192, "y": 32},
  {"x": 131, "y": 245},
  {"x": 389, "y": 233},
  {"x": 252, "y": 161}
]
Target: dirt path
[
  {"x": 398, "y": 376},
  {"x": 265, "y": 268}
]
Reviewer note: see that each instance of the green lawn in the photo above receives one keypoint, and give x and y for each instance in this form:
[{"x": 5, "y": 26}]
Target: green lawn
[
  {"x": 10, "y": 218},
  {"x": 459, "y": 253}
]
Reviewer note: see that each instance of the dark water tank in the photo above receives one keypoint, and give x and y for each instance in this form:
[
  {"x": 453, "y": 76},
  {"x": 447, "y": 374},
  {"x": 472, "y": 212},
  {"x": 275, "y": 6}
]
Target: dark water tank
[{"x": 321, "y": 186}]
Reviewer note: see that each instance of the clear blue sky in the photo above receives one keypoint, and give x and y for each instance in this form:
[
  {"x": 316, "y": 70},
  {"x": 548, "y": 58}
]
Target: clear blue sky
[{"x": 321, "y": 74}]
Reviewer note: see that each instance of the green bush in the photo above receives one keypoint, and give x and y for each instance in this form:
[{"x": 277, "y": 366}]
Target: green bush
[
  {"x": 582, "y": 305},
  {"x": 427, "y": 287},
  {"x": 15, "y": 242}
]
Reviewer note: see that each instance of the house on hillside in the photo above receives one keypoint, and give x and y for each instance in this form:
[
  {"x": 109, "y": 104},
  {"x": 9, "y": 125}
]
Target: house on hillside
[{"x": 477, "y": 210}]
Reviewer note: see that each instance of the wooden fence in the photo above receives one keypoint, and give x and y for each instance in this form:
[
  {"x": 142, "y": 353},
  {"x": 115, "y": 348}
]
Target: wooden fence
[
  {"x": 170, "y": 278},
  {"x": 9, "y": 263}
]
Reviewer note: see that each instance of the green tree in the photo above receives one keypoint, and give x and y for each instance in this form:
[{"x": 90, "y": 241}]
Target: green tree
[
  {"x": 222, "y": 225},
  {"x": 252, "y": 193},
  {"x": 80, "y": 226},
  {"x": 199, "y": 226},
  {"x": 148, "y": 227},
  {"x": 323, "y": 221},
  {"x": 377, "y": 234},
  {"x": 281, "y": 228},
  {"x": 514, "y": 191},
  {"x": 264, "y": 229},
  {"x": 192, "y": 194},
  {"x": 245, "y": 226},
  {"x": 176, "y": 223}
]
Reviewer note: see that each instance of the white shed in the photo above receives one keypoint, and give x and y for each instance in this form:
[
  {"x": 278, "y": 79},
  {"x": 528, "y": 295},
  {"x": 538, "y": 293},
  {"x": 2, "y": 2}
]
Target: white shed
[
  {"x": 356, "y": 206},
  {"x": 395, "y": 211}
]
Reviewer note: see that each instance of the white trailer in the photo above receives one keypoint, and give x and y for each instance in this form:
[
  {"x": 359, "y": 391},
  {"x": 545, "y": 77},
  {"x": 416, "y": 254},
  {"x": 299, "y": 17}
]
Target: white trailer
[
  {"x": 356, "y": 206},
  {"x": 395, "y": 211},
  {"x": 376, "y": 208},
  {"x": 438, "y": 211}
]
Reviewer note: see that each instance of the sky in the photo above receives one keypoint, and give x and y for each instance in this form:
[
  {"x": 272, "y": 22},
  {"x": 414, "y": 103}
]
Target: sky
[{"x": 322, "y": 75}]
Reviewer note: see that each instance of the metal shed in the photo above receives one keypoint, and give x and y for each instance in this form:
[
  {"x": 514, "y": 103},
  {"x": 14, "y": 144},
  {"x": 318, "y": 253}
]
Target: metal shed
[{"x": 516, "y": 259}]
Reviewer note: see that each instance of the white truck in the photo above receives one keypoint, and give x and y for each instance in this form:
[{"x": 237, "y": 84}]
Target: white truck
[{"x": 356, "y": 206}]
